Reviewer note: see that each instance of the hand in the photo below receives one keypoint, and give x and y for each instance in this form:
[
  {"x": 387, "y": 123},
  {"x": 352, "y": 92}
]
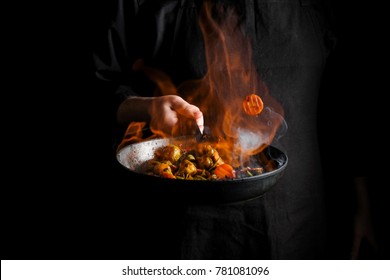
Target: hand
[
  {"x": 363, "y": 228},
  {"x": 166, "y": 114},
  {"x": 169, "y": 115}
]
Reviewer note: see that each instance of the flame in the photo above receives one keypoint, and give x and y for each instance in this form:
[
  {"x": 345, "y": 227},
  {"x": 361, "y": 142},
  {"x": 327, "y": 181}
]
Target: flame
[{"x": 231, "y": 76}]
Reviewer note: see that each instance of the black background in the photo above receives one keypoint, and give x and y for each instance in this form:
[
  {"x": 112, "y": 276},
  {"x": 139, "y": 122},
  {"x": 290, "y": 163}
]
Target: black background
[{"x": 60, "y": 200}]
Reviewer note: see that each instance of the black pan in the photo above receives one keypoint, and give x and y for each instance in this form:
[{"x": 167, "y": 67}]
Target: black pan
[{"x": 194, "y": 191}]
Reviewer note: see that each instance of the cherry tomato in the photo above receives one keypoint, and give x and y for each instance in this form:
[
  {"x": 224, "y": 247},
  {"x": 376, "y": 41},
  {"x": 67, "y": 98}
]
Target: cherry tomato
[{"x": 252, "y": 104}]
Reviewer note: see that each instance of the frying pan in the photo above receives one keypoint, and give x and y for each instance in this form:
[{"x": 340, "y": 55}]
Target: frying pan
[{"x": 196, "y": 191}]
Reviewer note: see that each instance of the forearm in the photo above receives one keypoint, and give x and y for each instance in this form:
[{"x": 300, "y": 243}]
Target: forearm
[{"x": 134, "y": 109}]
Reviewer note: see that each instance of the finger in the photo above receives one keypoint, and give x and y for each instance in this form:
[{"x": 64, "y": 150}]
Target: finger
[
  {"x": 200, "y": 121},
  {"x": 372, "y": 240},
  {"x": 189, "y": 111},
  {"x": 355, "y": 248}
]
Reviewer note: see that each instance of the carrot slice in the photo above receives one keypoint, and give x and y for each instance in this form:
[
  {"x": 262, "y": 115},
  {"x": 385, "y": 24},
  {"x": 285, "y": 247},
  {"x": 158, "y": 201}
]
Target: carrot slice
[
  {"x": 252, "y": 104},
  {"x": 168, "y": 175},
  {"x": 224, "y": 170}
]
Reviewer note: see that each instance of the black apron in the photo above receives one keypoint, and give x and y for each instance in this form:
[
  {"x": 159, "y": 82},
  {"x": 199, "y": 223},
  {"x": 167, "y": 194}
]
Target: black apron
[{"x": 290, "y": 46}]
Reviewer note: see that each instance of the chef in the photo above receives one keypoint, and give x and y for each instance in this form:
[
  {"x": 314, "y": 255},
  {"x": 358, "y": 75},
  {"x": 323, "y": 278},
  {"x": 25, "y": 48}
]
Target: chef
[{"x": 289, "y": 45}]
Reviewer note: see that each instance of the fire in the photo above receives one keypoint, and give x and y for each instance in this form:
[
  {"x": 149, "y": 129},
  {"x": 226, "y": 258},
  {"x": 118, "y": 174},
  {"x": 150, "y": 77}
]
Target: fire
[{"x": 231, "y": 76}]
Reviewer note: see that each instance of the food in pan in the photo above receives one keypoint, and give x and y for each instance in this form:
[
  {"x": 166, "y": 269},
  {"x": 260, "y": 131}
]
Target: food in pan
[{"x": 200, "y": 163}]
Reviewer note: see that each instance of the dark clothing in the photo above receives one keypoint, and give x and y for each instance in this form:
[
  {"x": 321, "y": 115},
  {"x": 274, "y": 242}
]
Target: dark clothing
[{"x": 291, "y": 42}]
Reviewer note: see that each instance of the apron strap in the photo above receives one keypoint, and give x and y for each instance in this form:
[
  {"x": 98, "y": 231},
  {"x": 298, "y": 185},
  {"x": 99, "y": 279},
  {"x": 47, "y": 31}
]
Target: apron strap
[{"x": 187, "y": 3}]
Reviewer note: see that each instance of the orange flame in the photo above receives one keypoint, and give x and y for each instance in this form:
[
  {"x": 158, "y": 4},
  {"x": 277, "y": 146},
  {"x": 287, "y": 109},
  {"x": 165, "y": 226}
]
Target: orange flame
[{"x": 231, "y": 76}]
